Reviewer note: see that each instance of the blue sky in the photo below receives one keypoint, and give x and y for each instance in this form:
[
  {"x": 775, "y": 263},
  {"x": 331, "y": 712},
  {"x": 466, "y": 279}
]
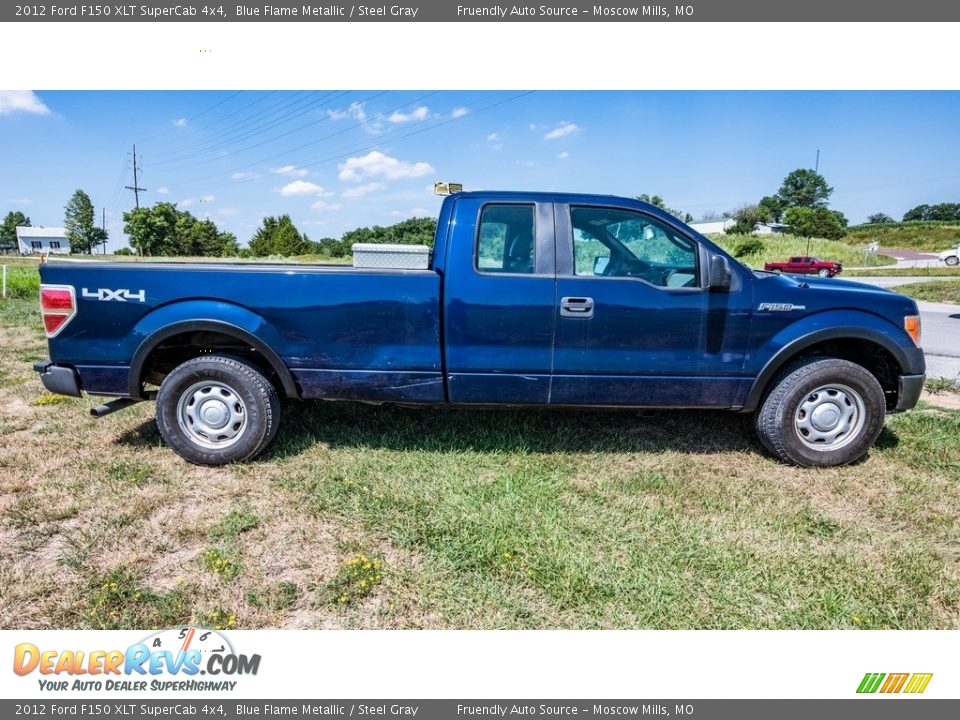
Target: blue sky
[{"x": 335, "y": 160}]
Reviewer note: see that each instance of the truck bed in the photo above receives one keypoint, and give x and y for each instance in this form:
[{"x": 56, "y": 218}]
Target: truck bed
[{"x": 340, "y": 330}]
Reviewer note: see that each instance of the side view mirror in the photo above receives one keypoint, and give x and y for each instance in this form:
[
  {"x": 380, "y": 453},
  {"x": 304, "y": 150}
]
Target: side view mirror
[{"x": 719, "y": 273}]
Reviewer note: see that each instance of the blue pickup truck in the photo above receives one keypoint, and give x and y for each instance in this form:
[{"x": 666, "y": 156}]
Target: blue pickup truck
[{"x": 538, "y": 299}]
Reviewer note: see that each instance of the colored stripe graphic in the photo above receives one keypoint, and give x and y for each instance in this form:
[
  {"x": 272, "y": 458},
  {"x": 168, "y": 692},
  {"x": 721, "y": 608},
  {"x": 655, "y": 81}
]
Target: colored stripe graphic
[
  {"x": 918, "y": 682},
  {"x": 894, "y": 683},
  {"x": 870, "y": 682}
]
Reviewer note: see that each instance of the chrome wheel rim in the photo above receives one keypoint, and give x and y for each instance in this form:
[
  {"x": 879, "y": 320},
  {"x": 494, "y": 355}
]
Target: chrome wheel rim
[
  {"x": 830, "y": 417},
  {"x": 212, "y": 415}
]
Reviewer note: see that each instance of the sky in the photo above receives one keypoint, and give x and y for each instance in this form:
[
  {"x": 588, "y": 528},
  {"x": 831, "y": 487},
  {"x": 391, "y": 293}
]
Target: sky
[{"x": 337, "y": 160}]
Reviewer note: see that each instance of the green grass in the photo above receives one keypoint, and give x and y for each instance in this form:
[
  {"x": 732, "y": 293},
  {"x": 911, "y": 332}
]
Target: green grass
[
  {"x": 777, "y": 248},
  {"x": 942, "y": 271},
  {"x": 468, "y": 519},
  {"x": 928, "y": 236},
  {"x": 932, "y": 291}
]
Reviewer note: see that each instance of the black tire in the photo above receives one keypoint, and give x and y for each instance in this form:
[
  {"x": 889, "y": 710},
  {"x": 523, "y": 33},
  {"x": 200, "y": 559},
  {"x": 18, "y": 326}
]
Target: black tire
[
  {"x": 952, "y": 260},
  {"x": 788, "y": 425},
  {"x": 215, "y": 410},
  {"x": 823, "y": 272}
]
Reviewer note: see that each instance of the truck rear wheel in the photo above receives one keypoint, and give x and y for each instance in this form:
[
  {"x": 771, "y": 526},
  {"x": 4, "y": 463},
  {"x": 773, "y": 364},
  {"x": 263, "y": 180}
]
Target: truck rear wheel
[
  {"x": 822, "y": 412},
  {"x": 823, "y": 272},
  {"x": 215, "y": 410}
]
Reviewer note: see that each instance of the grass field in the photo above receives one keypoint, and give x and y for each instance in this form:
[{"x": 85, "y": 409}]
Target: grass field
[
  {"x": 384, "y": 517},
  {"x": 932, "y": 290},
  {"x": 777, "y": 248},
  {"x": 929, "y": 236}
]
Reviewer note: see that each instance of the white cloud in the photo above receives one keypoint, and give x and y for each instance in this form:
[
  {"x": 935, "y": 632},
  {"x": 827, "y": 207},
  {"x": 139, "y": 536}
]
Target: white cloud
[
  {"x": 355, "y": 111},
  {"x": 303, "y": 187},
  {"x": 180, "y": 122},
  {"x": 20, "y": 200},
  {"x": 163, "y": 190},
  {"x": 12, "y": 101},
  {"x": 207, "y": 199},
  {"x": 361, "y": 190},
  {"x": 459, "y": 112},
  {"x": 227, "y": 211},
  {"x": 290, "y": 170},
  {"x": 187, "y": 202},
  {"x": 491, "y": 137},
  {"x": 313, "y": 222},
  {"x": 564, "y": 155},
  {"x": 497, "y": 146},
  {"x": 532, "y": 126},
  {"x": 376, "y": 164},
  {"x": 324, "y": 205},
  {"x": 245, "y": 175},
  {"x": 562, "y": 130},
  {"x": 421, "y": 113}
]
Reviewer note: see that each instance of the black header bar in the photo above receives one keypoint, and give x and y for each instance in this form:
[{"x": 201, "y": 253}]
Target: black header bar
[{"x": 467, "y": 11}]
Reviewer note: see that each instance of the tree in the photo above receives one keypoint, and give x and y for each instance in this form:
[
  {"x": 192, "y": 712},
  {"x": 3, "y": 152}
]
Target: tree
[
  {"x": 879, "y": 218},
  {"x": 746, "y": 218},
  {"x": 771, "y": 207},
  {"x": 947, "y": 212},
  {"x": 816, "y": 222},
  {"x": 8, "y": 231},
  {"x": 278, "y": 236},
  {"x": 152, "y": 230},
  {"x": 165, "y": 230},
  {"x": 82, "y": 232},
  {"x": 804, "y": 188},
  {"x": 659, "y": 202}
]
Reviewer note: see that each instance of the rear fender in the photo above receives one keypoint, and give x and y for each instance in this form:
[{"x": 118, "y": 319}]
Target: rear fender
[{"x": 210, "y": 315}]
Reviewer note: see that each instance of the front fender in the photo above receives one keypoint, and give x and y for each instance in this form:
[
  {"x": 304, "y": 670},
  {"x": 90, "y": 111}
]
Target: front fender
[
  {"x": 199, "y": 315},
  {"x": 833, "y": 325}
]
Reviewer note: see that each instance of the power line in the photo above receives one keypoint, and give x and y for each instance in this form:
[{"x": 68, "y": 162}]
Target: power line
[
  {"x": 263, "y": 142},
  {"x": 199, "y": 114},
  {"x": 337, "y": 154}
]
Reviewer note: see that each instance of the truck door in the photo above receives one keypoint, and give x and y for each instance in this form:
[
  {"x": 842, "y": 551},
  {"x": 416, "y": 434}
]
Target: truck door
[
  {"x": 635, "y": 324},
  {"x": 499, "y": 299}
]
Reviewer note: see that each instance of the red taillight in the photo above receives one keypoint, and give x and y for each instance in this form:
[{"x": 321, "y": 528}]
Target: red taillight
[
  {"x": 58, "y": 305},
  {"x": 53, "y": 322},
  {"x": 56, "y": 299}
]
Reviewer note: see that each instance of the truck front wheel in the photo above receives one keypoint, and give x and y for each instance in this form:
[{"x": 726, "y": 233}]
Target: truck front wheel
[
  {"x": 822, "y": 412},
  {"x": 215, "y": 410}
]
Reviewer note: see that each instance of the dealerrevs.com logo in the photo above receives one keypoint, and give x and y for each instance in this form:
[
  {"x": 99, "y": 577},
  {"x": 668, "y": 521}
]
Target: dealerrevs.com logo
[{"x": 179, "y": 659}]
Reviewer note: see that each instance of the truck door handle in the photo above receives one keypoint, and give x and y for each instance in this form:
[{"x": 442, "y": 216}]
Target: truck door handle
[{"x": 576, "y": 307}]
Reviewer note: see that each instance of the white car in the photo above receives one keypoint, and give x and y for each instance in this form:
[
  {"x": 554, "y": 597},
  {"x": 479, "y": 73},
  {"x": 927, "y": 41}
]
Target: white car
[{"x": 951, "y": 256}]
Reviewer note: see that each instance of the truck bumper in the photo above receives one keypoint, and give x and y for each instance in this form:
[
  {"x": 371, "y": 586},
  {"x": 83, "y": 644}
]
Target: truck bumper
[
  {"x": 910, "y": 388},
  {"x": 58, "y": 379}
]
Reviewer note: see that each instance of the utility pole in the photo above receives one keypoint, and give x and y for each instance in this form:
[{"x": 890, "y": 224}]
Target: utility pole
[
  {"x": 136, "y": 186},
  {"x": 816, "y": 167}
]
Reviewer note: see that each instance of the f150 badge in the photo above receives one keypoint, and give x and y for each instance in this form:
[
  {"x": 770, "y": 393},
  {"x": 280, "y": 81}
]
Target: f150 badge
[
  {"x": 121, "y": 295},
  {"x": 780, "y": 307}
]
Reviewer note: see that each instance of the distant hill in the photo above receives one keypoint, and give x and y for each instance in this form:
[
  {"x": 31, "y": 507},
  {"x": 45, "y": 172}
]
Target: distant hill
[{"x": 919, "y": 235}]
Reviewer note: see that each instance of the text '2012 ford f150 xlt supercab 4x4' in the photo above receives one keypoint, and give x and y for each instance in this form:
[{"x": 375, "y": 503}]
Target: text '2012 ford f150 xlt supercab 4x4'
[{"x": 530, "y": 299}]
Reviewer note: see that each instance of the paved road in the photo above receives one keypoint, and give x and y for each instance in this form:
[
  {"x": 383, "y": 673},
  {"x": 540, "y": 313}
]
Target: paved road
[{"x": 940, "y": 337}]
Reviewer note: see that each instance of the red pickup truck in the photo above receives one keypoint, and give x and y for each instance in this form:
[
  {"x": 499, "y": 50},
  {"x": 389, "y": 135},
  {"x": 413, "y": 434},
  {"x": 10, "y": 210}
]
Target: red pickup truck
[{"x": 805, "y": 266}]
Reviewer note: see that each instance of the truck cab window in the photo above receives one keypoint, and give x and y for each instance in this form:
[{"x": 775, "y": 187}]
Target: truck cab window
[
  {"x": 506, "y": 241},
  {"x": 612, "y": 242}
]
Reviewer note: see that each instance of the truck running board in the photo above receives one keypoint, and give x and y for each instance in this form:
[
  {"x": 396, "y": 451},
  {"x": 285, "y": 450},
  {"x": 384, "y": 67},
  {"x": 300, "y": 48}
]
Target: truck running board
[{"x": 111, "y": 407}]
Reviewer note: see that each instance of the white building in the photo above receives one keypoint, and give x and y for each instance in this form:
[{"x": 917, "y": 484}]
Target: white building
[
  {"x": 770, "y": 228},
  {"x": 720, "y": 227},
  {"x": 713, "y": 227},
  {"x": 34, "y": 240}
]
